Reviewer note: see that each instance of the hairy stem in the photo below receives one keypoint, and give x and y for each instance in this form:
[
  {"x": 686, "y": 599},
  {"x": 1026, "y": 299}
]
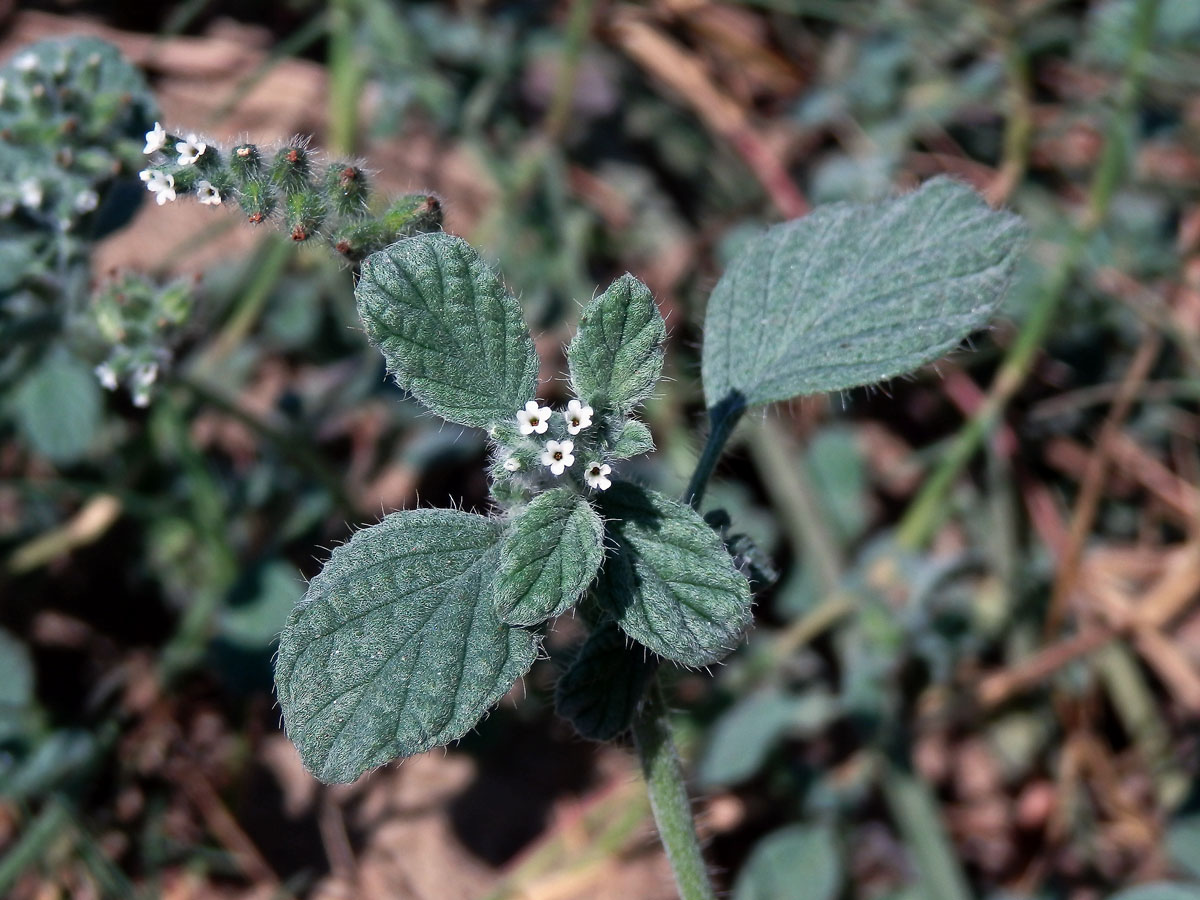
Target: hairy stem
[
  {"x": 652, "y": 729},
  {"x": 669, "y": 798},
  {"x": 929, "y": 507}
]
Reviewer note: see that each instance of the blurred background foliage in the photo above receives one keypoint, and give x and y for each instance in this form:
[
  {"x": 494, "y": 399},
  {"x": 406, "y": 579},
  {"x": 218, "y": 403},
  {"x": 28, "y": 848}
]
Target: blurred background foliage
[{"x": 978, "y": 674}]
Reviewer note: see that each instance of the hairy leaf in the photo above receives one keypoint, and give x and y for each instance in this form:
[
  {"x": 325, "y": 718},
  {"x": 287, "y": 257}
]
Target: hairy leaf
[
  {"x": 549, "y": 557},
  {"x": 396, "y": 648},
  {"x": 616, "y": 357},
  {"x": 799, "y": 862},
  {"x": 856, "y": 293},
  {"x": 604, "y": 684},
  {"x": 634, "y": 440},
  {"x": 670, "y": 584},
  {"x": 451, "y": 333}
]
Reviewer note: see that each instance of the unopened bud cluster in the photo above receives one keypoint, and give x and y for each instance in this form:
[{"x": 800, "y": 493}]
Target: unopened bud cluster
[
  {"x": 138, "y": 319},
  {"x": 312, "y": 198},
  {"x": 70, "y": 114}
]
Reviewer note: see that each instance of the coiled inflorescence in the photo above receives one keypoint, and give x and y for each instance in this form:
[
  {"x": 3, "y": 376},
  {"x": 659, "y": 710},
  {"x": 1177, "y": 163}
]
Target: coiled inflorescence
[{"x": 328, "y": 201}]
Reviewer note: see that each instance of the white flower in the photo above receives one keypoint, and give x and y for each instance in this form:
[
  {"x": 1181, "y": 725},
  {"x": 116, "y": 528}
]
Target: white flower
[
  {"x": 145, "y": 374},
  {"x": 596, "y": 475},
  {"x": 155, "y": 140},
  {"x": 31, "y": 193},
  {"x": 106, "y": 375},
  {"x": 512, "y": 464},
  {"x": 558, "y": 455},
  {"x": 26, "y": 62},
  {"x": 534, "y": 418},
  {"x": 208, "y": 194},
  {"x": 578, "y": 416},
  {"x": 141, "y": 398},
  {"x": 190, "y": 150},
  {"x": 86, "y": 201},
  {"x": 161, "y": 184},
  {"x": 3, "y": 89}
]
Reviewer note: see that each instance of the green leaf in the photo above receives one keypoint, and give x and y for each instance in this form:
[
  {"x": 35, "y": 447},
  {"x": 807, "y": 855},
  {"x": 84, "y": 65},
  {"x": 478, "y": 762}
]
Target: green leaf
[
  {"x": 616, "y": 357},
  {"x": 58, "y": 407},
  {"x": 744, "y": 736},
  {"x": 16, "y": 686},
  {"x": 601, "y": 689},
  {"x": 1183, "y": 843},
  {"x": 549, "y": 557},
  {"x": 799, "y": 862},
  {"x": 634, "y": 440},
  {"x": 854, "y": 294},
  {"x": 670, "y": 585},
  {"x": 1161, "y": 890},
  {"x": 266, "y": 601},
  {"x": 396, "y": 648},
  {"x": 450, "y": 332}
]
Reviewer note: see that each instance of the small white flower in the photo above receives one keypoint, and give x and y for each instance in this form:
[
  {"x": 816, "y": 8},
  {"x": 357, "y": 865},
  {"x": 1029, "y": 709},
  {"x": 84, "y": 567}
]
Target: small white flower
[
  {"x": 596, "y": 475},
  {"x": 155, "y": 139},
  {"x": 60, "y": 67},
  {"x": 208, "y": 194},
  {"x": 512, "y": 464},
  {"x": 26, "y": 62},
  {"x": 558, "y": 456},
  {"x": 145, "y": 375},
  {"x": 106, "y": 375},
  {"x": 578, "y": 416},
  {"x": 86, "y": 201},
  {"x": 161, "y": 184},
  {"x": 534, "y": 418},
  {"x": 190, "y": 150},
  {"x": 3, "y": 89},
  {"x": 31, "y": 193},
  {"x": 141, "y": 398}
]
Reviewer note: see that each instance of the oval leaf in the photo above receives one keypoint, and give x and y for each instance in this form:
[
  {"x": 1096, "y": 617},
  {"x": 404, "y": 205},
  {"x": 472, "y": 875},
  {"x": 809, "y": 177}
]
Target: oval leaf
[
  {"x": 856, "y": 293},
  {"x": 800, "y": 862},
  {"x": 616, "y": 357},
  {"x": 450, "y": 332},
  {"x": 396, "y": 647},
  {"x": 634, "y": 440},
  {"x": 671, "y": 585},
  {"x": 604, "y": 684},
  {"x": 58, "y": 407},
  {"x": 549, "y": 557}
]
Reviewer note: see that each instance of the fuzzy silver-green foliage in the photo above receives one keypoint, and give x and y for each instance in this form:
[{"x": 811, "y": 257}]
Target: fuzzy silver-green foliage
[
  {"x": 670, "y": 584},
  {"x": 616, "y": 357},
  {"x": 854, "y": 294},
  {"x": 396, "y": 647},
  {"x": 549, "y": 557},
  {"x": 602, "y": 688},
  {"x": 451, "y": 333},
  {"x": 633, "y": 440}
]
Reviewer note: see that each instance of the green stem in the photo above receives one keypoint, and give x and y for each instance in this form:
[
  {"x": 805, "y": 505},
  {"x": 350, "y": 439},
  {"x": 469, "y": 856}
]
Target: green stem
[
  {"x": 928, "y": 509},
  {"x": 723, "y": 418},
  {"x": 669, "y": 798},
  {"x": 345, "y": 76},
  {"x": 652, "y": 729}
]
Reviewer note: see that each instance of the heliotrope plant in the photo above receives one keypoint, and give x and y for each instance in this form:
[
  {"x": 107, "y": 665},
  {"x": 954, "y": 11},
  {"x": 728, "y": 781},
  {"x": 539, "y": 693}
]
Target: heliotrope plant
[{"x": 420, "y": 623}]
